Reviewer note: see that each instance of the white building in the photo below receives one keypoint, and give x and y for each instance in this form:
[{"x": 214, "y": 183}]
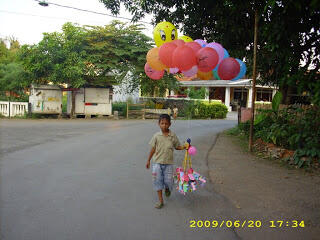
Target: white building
[{"x": 231, "y": 92}]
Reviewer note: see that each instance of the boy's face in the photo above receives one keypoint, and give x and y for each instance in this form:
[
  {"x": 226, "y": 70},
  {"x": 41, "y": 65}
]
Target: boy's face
[{"x": 164, "y": 125}]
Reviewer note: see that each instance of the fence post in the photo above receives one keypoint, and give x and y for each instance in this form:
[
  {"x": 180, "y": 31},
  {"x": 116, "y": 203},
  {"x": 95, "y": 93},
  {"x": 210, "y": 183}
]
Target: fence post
[
  {"x": 29, "y": 109},
  {"x": 127, "y": 110},
  {"x": 144, "y": 111}
]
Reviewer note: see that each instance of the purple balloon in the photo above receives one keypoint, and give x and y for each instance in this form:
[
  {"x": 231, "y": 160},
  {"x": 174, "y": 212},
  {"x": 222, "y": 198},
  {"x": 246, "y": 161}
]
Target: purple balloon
[
  {"x": 174, "y": 70},
  {"x": 190, "y": 72},
  {"x": 203, "y": 43},
  {"x": 218, "y": 47}
]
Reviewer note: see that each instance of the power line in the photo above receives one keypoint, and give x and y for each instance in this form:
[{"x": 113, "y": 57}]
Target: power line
[
  {"x": 49, "y": 17},
  {"x": 85, "y": 10}
]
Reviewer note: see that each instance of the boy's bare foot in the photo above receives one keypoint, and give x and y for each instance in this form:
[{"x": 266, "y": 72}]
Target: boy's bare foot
[{"x": 159, "y": 205}]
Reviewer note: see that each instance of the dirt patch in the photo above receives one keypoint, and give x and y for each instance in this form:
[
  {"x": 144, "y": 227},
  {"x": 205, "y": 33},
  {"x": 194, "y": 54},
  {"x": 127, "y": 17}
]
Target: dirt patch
[{"x": 263, "y": 190}]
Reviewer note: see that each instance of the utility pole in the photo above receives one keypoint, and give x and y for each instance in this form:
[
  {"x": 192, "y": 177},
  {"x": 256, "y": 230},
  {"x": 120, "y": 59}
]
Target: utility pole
[{"x": 254, "y": 78}]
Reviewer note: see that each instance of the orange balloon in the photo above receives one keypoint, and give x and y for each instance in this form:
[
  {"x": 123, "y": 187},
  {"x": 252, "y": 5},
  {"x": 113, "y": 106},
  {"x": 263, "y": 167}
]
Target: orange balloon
[
  {"x": 205, "y": 75},
  {"x": 154, "y": 61}
]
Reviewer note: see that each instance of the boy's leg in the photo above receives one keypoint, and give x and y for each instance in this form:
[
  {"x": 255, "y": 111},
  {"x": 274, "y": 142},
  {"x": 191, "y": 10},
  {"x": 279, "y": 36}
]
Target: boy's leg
[
  {"x": 160, "y": 196},
  {"x": 168, "y": 179},
  {"x": 157, "y": 180}
]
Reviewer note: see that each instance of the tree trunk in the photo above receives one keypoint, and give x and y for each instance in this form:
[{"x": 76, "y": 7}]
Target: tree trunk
[{"x": 284, "y": 90}]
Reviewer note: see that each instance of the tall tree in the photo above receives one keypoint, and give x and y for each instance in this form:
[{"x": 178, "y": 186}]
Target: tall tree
[
  {"x": 288, "y": 33},
  {"x": 89, "y": 55},
  {"x": 13, "y": 78}
]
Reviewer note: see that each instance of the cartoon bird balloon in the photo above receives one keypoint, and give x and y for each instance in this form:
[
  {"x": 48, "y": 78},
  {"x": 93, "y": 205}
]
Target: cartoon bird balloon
[{"x": 164, "y": 32}]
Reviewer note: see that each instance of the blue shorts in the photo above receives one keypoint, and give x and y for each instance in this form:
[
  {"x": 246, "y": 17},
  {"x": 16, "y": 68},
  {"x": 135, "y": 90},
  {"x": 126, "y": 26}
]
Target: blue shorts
[{"x": 162, "y": 176}]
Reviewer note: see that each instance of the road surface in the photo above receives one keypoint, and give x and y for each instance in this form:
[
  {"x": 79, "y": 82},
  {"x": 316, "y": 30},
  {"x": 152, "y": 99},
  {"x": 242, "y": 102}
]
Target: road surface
[{"x": 86, "y": 179}]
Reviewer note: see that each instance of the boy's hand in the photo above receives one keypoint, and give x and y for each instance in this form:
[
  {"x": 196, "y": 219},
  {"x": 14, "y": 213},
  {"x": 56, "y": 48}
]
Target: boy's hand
[
  {"x": 148, "y": 165},
  {"x": 186, "y": 145}
]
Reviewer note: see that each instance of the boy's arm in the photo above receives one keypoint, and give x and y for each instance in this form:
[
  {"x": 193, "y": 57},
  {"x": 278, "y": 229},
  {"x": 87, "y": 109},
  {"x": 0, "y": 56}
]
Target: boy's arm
[
  {"x": 150, "y": 156},
  {"x": 183, "y": 147}
]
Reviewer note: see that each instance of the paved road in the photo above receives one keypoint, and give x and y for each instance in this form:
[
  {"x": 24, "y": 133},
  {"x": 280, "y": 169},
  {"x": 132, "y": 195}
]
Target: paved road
[{"x": 86, "y": 179}]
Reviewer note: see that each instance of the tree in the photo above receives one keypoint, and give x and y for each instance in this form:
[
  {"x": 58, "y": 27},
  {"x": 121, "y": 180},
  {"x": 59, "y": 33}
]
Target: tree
[
  {"x": 117, "y": 53},
  {"x": 288, "y": 33},
  {"x": 13, "y": 78},
  {"x": 90, "y": 55}
]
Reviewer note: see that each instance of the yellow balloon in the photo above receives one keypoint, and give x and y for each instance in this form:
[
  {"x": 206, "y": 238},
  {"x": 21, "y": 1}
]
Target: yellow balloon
[
  {"x": 154, "y": 61},
  {"x": 205, "y": 75},
  {"x": 164, "y": 32},
  {"x": 185, "y": 38}
]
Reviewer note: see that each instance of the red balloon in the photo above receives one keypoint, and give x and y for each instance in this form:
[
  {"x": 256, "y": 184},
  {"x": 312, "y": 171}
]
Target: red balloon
[
  {"x": 184, "y": 58},
  {"x": 178, "y": 42},
  {"x": 165, "y": 53},
  {"x": 228, "y": 69},
  {"x": 207, "y": 59},
  {"x": 194, "y": 45},
  {"x": 153, "y": 74}
]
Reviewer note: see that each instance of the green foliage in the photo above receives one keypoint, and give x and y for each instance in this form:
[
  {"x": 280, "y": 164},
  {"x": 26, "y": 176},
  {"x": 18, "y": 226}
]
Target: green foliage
[
  {"x": 89, "y": 55},
  {"x": 292, "y": 128},
  {"x": 276, "y": 101},
  {"x": 13, "y": 78},
  {"x": 121, "y": 107},
  {"x": 288, "y": 32},
  {"x": 194, "y": 93},
  {"x": 204, "y": 110},
  {"x": 150, "y": 104},
  {"x": 159, "y": 87}
]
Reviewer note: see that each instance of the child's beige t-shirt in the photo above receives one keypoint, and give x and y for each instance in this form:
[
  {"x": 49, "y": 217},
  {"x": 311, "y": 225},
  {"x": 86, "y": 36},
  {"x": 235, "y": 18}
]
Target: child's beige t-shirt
[{"x": 164, "y": 146}]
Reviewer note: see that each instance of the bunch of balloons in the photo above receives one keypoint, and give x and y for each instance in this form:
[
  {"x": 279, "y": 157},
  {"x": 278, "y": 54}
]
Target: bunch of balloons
[{"x": 190, "y": 58}]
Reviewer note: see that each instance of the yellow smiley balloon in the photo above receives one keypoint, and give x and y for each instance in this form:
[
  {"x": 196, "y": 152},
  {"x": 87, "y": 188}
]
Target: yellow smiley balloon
[
  {"x": 185, "y": 38},
  {"x": 164, "y": 32}
]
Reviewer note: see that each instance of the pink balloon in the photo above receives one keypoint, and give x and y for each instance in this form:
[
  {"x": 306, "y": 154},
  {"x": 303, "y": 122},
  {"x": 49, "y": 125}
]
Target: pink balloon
[
  {"x": 153, "y": 74},
  {"x": 207, "y": 59},
  {"x": 228, "y": 69},
  {"x": 202, "y": 43},
  {"x": 191, "y": 72},
  {"x": 194, "y": 45},
  {"x": 178, "y": 42},
  {"x": 174, "y": 70},
  {"x": 184, "y": 58},
  {"x": 192, "y": 151},
  {"x": 218, "y": 47},
  {"x": 165, "y": 53}
]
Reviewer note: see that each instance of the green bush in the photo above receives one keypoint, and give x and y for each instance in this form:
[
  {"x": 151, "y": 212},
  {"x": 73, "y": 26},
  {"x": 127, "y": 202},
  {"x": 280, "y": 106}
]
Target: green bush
[
  {"x": 22, "y": 98},
  {"x": 211, "y": 110},
  {"x": 292, "y": 128},
  {"x": 204, "y": 110},
  {"x": 121, "y": 107}
]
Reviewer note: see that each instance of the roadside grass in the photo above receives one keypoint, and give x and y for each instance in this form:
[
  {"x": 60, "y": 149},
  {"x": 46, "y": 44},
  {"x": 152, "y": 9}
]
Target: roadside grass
[{"x": 239, "y": 138}]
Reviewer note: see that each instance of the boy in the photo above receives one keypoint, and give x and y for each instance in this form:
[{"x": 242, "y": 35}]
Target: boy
[
  {"x": 175, "y": 112},
  {"x": 162, "y": 145}
]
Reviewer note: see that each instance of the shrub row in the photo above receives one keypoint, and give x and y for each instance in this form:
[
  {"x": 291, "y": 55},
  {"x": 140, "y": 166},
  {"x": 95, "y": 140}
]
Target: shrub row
[{"x": 291, "y": 128}]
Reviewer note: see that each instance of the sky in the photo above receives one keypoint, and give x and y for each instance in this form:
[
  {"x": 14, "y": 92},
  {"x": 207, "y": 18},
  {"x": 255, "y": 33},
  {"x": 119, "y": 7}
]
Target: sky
[{"x": 26, "y": 20}]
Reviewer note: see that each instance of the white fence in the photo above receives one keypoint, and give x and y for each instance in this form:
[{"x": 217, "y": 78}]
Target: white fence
[{"x": 11, "y": 109}]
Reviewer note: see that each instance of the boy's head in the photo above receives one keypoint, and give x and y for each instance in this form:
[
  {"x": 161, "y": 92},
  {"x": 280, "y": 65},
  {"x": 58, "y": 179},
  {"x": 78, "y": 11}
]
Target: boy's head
[{"x": 164, "y": 122}]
